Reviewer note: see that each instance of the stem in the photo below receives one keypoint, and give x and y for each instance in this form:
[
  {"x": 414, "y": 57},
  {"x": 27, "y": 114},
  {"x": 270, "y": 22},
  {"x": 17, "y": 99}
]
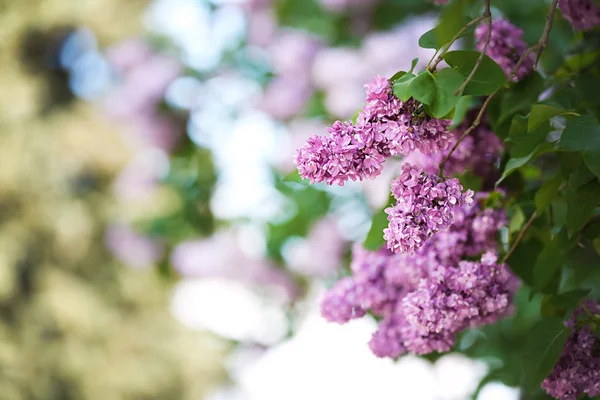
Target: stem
[
  {"x": 440, "y": 56},
  {"x": 543, "y": 42},
  {"x": 524, "y": 230},
  {"x": 485, "y": 106},
  {"x": 592, "y": 316},
  {"x": 487, "y": 14},
  {"x": 519, "y": 237},
  {"x": 467, "y": 132}
]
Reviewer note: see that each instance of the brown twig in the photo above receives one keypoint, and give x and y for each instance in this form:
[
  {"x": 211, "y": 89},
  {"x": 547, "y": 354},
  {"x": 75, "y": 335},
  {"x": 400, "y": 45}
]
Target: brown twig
[
  {"x": 484, "y": 107},
  {"x": 467, "y": 132},
  {"x": 543, "y": 42},
  {"x": 440, "y": 57},
  {"x": 524, "y": 230},
  {"x": 487, "y": 14},
  {"x": 539, "y": 47},
  {"x": 519, "y": 237}
]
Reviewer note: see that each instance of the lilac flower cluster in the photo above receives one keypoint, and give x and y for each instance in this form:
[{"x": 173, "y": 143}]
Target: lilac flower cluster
[
  {"x": 506, "y": 47},
  {"x": 471, "y": 294},
  {"x": 385, "y": 126},
  {"x": 478, "y": 152},
  {"x": 425, "y": 206},
  {"x": 583, "y": 15},
  {"x": 426, "y": 298},
  {"x": 578, "y": 369}
]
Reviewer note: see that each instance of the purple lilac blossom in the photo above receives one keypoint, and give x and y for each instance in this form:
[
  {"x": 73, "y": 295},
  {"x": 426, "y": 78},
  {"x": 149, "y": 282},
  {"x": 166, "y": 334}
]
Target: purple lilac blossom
[
  {"x": 381, "y": 280},
  {"x": 425, "y": 206},
  {"x": 577, "y": 371},
  {"x": 454, "y": 298},
  {"x": 506, "y": 47},
  {"x": 479, "y": 152},
  {"x": 583, "y": 15},
  {"x": 384, "y": 127}
]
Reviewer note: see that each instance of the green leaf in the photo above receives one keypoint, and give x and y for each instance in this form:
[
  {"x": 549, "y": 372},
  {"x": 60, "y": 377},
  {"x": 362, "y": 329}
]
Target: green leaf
[
  {"x": 423, "y": 88},
  {"x": 581, "y": 133},
  {"x": 547, "y": 192},
  {"x": 401, "y": 86},
  {"x": 397, "y": 76},
  {"x": 581, "y": 203},
  {"x": 522, "y": 259},
  {"x": 374, "y": 239},
  {"x": 550, "y": 260},
  {"x": 524, "y": 145},
  {"x": 437, "y": 91},
  {"x": 428, "y": 40},
  {"x": 516, "y": 221},
  {"x": 520, "y": 98},
  {"x": 596, "y": 244},
  {"x": 488, "y": 77},
  {"x": 451, "y": 22},
  {"x": 541, "y": 113},
  {"x": 522, "y": 141},
  {"x": 580, "y": 177},
  {"x": 514, "y": 164},
  {"x": 567, "y": 98},
  {"x": 569, "y": 300},
  {"x": 543, "y": 347},
  {"x": 293, "y": 176},
  {"x": 590, "y": 87},
  {"x": 461, "y": 109},
  {"x": 597, "y": 331},
  {"x": 413, "y": 64},
  {"x": 591, "y": 158}
]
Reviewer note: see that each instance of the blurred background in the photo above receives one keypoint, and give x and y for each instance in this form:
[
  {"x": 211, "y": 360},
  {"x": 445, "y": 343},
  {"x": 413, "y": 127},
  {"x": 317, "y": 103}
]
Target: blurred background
[{"x": 155, "y": 240}]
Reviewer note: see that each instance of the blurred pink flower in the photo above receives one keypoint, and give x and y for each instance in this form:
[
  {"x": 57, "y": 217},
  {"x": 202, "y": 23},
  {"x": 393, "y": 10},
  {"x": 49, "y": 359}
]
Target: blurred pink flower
[
  {"x": 381, "y": 53},
  {"x": 128, "y": 54},
  {"x": 262, "y": 27},
  {"x": 320, "y": 253},
  {"x": 221, "y": 256},
  {"x": 131, "y": 248},
  {"x": 142, "y": 79},
  {"x": 285, "y": 97},
  {"x": 293, "y": 52},
  {"x": 139, "y": 178}
]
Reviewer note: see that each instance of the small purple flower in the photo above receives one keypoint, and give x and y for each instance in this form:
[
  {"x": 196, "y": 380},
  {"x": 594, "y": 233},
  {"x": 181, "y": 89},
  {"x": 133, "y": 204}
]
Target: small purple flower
[
  {"x": 583, "y": 15},
  {"x": 577, "y": 371},
  {"x": 506, "y": 47},
  {"x": 425, "y": 206},
  {"x": 384, "y": 127}
]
